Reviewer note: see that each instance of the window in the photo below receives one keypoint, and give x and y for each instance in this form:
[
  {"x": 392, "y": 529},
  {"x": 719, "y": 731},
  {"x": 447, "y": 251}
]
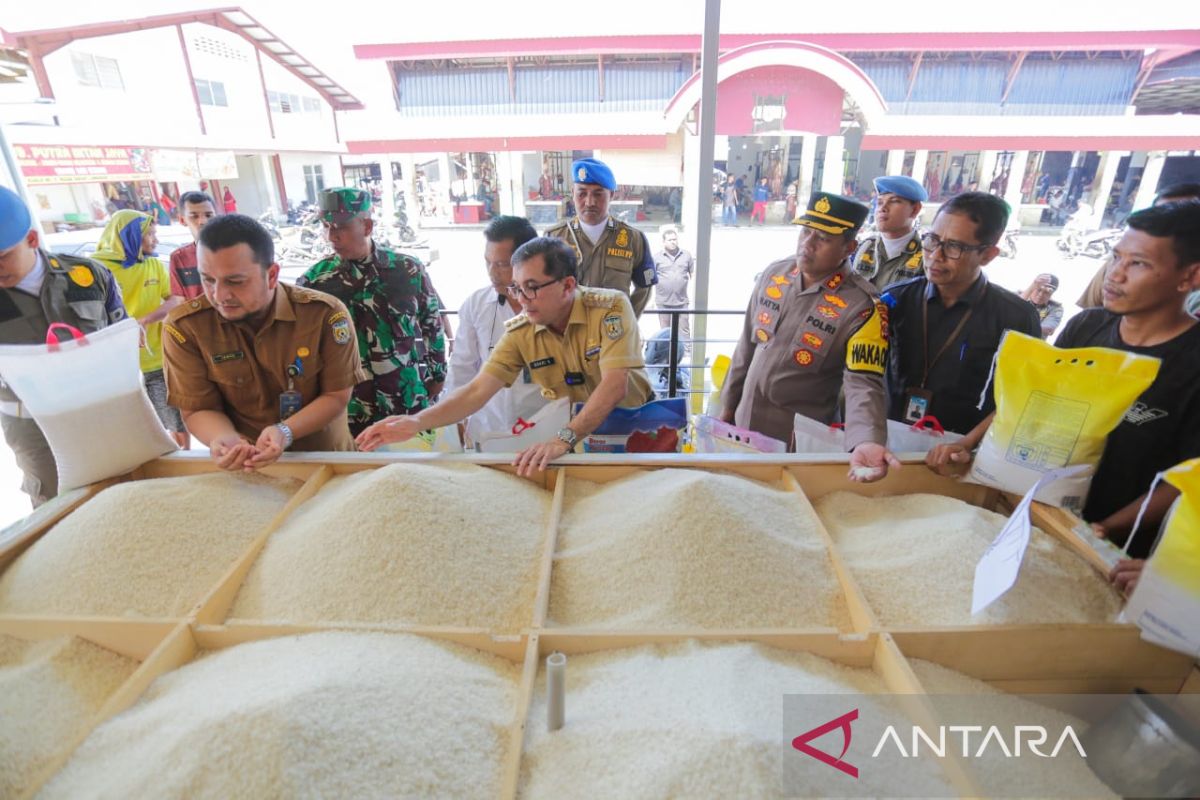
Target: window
[
  {"x": 285, "y": 103},
  {"x": 314, "y": 182},
  {"x": 97, "y": 71},
  {"x": 212, "y": 93}
]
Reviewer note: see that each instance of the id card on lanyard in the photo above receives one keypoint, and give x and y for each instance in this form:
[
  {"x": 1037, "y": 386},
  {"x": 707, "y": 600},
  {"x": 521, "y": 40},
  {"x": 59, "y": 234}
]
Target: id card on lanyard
[{"x": 918, "y": 399}]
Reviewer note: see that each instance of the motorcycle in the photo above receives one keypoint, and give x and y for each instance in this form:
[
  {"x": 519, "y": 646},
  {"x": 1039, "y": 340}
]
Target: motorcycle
[
  {"x": 1008, "y": 242},
  {"x": 267, "y": 220},
  {"x": 1077, "y": 239}
]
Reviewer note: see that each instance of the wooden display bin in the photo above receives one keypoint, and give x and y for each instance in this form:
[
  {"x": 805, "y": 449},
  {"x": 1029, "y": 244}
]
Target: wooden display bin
[{"x": 1065, "y": 658}]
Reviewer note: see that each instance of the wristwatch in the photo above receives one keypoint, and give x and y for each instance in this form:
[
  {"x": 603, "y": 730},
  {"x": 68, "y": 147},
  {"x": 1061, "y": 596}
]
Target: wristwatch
[
  {"x": 287, "y": 434},
  {"x": 568, "y": 436}
]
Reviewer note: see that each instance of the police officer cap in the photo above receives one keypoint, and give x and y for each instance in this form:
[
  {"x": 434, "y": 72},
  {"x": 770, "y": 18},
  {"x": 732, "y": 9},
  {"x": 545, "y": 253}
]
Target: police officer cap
[
  {"x": 833, "y": 213},
  {"x": 589, "y": 170},
  {"x": 15, "y": 219},
  {"x": 339, "y": 206},
  {"x": 901, "y": 186},
  {"x": 1048, "y": 279}
]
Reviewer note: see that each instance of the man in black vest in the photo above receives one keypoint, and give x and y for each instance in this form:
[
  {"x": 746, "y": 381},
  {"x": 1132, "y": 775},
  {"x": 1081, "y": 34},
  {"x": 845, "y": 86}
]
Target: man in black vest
[{"x": 37, "y": 289}]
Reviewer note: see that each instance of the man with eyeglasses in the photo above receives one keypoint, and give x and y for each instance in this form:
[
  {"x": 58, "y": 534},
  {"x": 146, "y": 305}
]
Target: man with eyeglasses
[
  {"x": 813, "y": 328},
  {"x": 396, "y": 312},
  {"x": 893, "y": 252},
  {"x": 577, "y": 343},
  {"x": 947, "y": 325},
  {"x": 481, "y": 321},
  {"x": 611, "y": 254}
]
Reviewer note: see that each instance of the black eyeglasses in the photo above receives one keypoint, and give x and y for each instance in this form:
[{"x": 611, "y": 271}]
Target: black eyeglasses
[
  {"x": 528, "y": 292},
  {"x": 930, "y": 242}
]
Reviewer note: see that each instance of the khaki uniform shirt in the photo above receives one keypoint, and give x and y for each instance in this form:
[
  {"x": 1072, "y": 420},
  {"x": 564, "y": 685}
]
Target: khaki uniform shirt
[
  {"x": 601, "y": 334},
  {"x": 218, "y": 365},
  {"x": 871, "y": 260},
  {"x": 621, "y": 260},
  {"x": 799, "y": 347}
]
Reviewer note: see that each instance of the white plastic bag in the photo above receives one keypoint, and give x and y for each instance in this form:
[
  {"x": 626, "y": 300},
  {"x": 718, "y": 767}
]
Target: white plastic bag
[
  {"x": 919, "y": 437},
  {"x": 87, "y": 397},
  {"x": 818, "y": 437},
  {"x": 541, "y": 427}
]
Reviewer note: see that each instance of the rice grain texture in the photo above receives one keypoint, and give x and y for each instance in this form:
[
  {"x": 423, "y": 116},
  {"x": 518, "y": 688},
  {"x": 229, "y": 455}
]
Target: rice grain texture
[
  {"x": 150, "y": 548},
  {"x": 322, "y": 715},
  {"x": 914, "y": 557},
  {"x": 409, "y": 543},
  {"x": 674, "y": 548},
  {"x": 49, "y": 692},
  {"x": 695, "y": 720}
]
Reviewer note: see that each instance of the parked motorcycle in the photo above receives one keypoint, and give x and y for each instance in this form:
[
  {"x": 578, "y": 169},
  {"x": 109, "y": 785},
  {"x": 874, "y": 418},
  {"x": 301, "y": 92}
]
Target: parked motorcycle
[
  {"x": 1077, "y": 238},
  {"x": 267, "y": 220},
  {"x": 1008, "y": 242}
]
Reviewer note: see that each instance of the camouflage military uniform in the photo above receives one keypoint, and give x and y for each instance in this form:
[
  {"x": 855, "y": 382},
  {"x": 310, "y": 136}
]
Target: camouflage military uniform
[{"x": 397, "y": 317}]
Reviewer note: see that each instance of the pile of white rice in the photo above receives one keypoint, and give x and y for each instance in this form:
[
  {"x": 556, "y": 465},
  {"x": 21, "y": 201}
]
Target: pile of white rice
[
  {"x": 914, "y": 557},
  {"x": 322, "y": 715},
  {"x": 150, "y": 548},
  {"x": 676, "y": 547},
  {"x": 410, "y": 543}
]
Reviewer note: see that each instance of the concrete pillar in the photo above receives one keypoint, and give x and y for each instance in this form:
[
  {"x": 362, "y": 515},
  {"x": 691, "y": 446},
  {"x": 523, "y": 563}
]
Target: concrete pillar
[
  {"x": 808, "y": 163},
  {"x": 920, "y": 162},
  {"x": 1016, "y": 175},
  {"x": 1102, "y": 189},
  {"x": 266, "y": 169},
  {"x": 1150, "y": 177},
  {"x": 449, "y": 175},
  {"x": 831, "y": 173},
  {"x": 510, "y": 183},
  {"x": 408, "y": 187},
  {"x": 697, "y": 182},
  {"x": 985, "y": 168},
  {"x": 387, "y": 190},
  {"x": 895, "y": 162}
]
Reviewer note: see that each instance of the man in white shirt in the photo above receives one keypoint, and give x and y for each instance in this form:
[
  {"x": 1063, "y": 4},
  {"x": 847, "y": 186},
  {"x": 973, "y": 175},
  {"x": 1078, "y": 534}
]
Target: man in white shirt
[{"x": 481, "y": 324}]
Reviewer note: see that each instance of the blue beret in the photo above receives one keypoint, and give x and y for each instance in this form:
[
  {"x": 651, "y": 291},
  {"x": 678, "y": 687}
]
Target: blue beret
[
  {"x": 15, "y": 219},
  {"x": 901, "y": 186},
  {"x": 589, "y": 170}
]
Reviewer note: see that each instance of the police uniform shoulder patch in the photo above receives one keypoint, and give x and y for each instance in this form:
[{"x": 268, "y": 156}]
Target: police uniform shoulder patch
[
  {"x": 614, "y": 326},
  {"x": 623, "y": 237},
  {"x": 516, "y": 322},
  {"x": 868, "y": 347}
]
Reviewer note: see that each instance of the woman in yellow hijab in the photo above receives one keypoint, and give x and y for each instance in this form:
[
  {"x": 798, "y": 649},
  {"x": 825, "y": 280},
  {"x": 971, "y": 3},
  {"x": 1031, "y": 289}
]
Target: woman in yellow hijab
[{"x": 126, "y": 247}]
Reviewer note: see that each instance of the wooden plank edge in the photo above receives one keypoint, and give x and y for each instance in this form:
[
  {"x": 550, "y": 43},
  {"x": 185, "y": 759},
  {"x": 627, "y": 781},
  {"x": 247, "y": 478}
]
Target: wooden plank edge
[
  {"x": 136, "y": 639},
  {"x": 213, "y": 607},
  {"x": 510, "y": 780},
  {"x": 175, "y": 650},
  {"x": 1061, "y": 525},
  {"x": 541, "y": 600},
  {"x": 862, "y": 616}
]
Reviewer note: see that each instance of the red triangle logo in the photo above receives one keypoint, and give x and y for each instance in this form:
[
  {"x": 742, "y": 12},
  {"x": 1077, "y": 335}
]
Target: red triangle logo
[{"x": 801, "y": 743}]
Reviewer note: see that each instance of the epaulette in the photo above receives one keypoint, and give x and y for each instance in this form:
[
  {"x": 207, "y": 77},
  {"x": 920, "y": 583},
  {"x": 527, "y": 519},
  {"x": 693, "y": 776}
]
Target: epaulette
[
  {"x": 187, "y": 308},
  {"x": 303, "y": 294},
  {"x": 516, "y": 322},
  {"x": 601, "y": 298}
]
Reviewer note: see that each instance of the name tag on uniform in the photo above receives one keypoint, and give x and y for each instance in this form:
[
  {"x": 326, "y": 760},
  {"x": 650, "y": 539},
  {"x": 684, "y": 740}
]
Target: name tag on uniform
[
  {"x": 221, "y": 358},
  {"x": 541, "y": 362}
]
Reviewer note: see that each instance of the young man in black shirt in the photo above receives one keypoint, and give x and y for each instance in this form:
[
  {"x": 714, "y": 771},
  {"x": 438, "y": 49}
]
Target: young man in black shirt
[
  {"x": 947, "y": 324},
  {"x": 1155, "y": 266}
]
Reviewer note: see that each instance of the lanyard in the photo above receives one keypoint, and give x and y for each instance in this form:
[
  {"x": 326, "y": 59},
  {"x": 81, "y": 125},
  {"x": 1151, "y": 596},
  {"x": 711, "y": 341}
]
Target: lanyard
[{"x": 945, "y": 345}]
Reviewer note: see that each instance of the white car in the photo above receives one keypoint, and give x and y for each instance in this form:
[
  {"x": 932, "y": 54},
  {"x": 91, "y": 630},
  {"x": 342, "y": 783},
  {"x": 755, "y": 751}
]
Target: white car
[{"x": 83, "y": 243}]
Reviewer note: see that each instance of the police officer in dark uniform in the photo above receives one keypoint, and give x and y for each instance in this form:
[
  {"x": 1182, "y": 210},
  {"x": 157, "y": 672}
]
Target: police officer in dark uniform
[
  {"x": 611, "y": 253},
  {"x": 37, "y": 289},
  {"x": 893, "y": 252}
]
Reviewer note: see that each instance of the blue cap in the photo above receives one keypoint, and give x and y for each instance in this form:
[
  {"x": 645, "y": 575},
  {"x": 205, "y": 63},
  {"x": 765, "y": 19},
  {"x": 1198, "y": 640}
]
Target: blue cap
[
  {"x": 901, "y": 186},
  {"x": 15, "y": 219},
  {"x": 589, "y": 170}
]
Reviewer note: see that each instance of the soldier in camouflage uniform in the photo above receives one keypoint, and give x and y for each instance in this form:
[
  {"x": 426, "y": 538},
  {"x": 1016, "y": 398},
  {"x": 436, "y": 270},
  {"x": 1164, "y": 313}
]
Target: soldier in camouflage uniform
[{"x": 396, "y": 312}]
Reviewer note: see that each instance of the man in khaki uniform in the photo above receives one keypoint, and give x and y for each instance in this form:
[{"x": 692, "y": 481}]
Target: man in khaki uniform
[
  {"x": 893, "y": 253},
  {"x": 37, "y": 289},
  {"x": 255, "y": 366},
  {"x": 814, "y": 327},
  {"x": 576, "y": 343},
  {"x": 611, "y": 254}
]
